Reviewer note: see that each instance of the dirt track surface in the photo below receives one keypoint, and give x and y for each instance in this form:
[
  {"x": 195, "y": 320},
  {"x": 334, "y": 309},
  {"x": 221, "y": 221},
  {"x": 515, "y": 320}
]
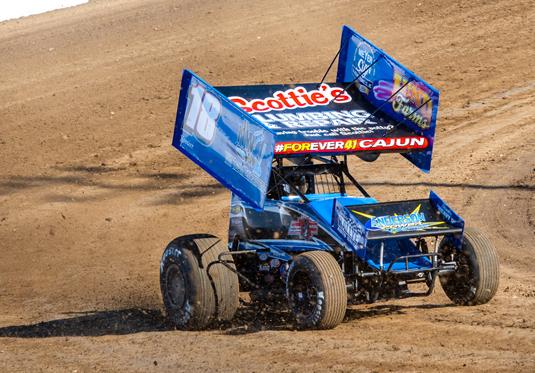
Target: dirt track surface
[{"x": 91, "y": 190}]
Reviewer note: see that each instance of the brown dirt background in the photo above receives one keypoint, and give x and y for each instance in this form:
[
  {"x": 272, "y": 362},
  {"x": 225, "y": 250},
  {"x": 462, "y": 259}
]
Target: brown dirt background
[{"x": 91, "y": 190}]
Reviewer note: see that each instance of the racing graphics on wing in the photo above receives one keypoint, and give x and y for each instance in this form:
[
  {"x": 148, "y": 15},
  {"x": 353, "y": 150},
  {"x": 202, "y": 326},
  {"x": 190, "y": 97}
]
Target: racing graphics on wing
[
  {"x": 413, "y": 100},
  {"x": 414, "y": 221},
  {"x": 351, "y": 145},
  {"x": 294, "y": 98},
  {"x": 221, "y": 138},
  {"x": 249, "y": 144},
  {"x": 204, "y": 110},
  {"x": 202, "y": 113}
]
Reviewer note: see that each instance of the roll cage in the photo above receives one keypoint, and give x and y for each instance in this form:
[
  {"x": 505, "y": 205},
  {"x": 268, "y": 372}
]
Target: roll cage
[{"x": 310, "y": 175}]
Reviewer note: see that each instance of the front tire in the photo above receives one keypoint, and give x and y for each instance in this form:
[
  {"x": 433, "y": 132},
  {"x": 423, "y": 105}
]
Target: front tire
[
  {"x": 478, "y": 272},
  {"x": 196, "y": 288},
  {"x": 316, "y": 290}
]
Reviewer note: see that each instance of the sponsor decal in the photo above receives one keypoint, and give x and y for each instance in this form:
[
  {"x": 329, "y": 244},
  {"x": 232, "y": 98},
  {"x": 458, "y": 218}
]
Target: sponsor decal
[
  {"x": 294, "y": 98},
  {"x": 414, "y": 221},
  {"x": 304, "y": 228},
  {"x": 348, "y": 227},
  {"x": 275, "y": 263},
  {"x": 202, "y": 113},
  {"x": 382, "y": 80},
  {"x": 351, "y": 145},
  {"x": 317, "y": 119},
  {"x": 362, "y": 60},
  {"x": 408, "y": 100}
]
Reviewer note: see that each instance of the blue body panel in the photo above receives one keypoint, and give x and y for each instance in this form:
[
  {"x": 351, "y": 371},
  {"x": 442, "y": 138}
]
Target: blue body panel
[
  {"x": 324, "y": 206},
  {"x": 344, "y": 229},
  {"x": 331, "y": 214},
  {"x": 392, "y": 250}
]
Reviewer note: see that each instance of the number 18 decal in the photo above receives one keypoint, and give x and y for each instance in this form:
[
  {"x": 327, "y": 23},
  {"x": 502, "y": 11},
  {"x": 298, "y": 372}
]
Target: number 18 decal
[{"x": 202, "y": 113}]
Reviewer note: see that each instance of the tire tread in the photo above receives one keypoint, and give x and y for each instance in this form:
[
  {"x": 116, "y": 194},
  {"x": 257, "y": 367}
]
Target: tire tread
[
  {"x": 224, "y": 281},
  {"x": 489, "y": 270},
  {"x": 335, "y": 289}
]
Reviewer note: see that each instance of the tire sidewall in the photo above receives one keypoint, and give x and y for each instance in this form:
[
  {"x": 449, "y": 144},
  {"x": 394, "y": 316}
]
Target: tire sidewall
[{"x": 174, "y": 254}]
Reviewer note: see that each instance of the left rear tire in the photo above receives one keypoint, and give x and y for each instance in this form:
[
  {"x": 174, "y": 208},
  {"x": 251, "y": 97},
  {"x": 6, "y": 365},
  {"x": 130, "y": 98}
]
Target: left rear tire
[{"x": 197, "y": 289}]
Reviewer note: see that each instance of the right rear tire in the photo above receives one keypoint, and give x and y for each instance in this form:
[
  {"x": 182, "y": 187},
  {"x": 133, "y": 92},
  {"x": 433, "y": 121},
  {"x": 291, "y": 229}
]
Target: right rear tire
[{"x": 478, "y": 270}]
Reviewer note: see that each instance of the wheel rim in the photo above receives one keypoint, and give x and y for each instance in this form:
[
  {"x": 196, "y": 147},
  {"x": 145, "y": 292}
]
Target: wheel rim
[
  {"x": 303, "y": 295},
  {"x": 176, "y": 286},
  {"x": 463, "y": 275},
  {"x": 461, "y": 282}
]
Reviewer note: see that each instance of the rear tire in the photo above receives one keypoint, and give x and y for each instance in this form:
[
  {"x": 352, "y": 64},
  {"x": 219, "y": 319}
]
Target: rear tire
[
  {"x": 196, "y": 288},
  {"x": 477, "y": 277},
  {"x": 224, "y": 281},
  {"x": 316, "y": 290}
]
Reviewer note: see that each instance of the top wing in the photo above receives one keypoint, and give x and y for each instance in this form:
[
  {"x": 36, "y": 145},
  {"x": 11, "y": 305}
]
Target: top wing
[{"x": 377, "y": 105}]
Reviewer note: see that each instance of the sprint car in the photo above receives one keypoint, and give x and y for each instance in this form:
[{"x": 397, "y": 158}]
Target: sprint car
[{"x": 303, "y": 231}]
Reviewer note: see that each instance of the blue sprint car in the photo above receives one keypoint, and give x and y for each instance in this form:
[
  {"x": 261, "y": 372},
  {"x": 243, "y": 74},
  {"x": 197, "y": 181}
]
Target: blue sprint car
[{"x": 303, "y": 231}]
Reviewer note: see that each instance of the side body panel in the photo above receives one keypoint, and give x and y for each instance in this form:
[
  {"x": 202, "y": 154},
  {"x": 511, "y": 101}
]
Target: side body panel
[
  {"x": 283, "y": 224},
  {"x": 391, "y": 88},
  {"x": 227, "y": 143}
]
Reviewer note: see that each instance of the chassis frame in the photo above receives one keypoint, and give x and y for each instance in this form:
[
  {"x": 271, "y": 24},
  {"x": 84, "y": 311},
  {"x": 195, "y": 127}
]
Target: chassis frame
[{"x": 364, "y": 283}]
